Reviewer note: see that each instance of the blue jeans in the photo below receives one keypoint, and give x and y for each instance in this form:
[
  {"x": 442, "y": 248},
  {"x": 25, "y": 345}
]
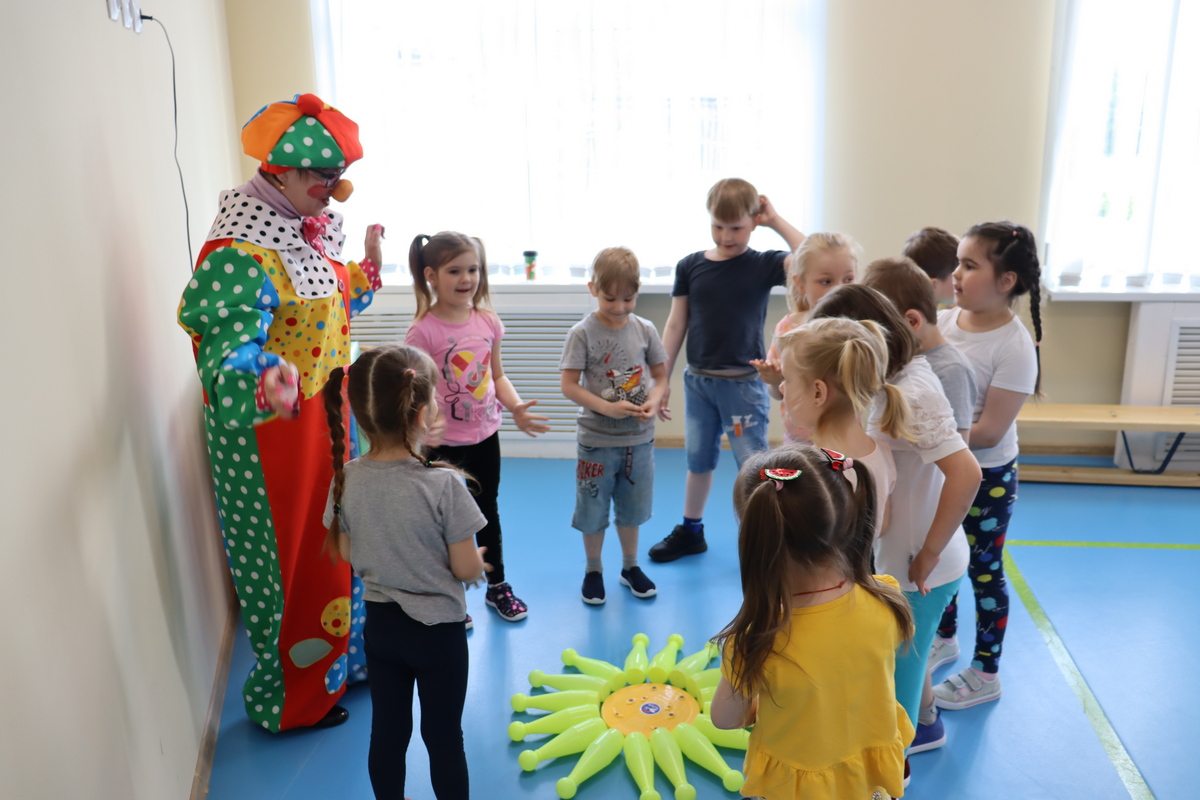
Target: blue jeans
[
  {"x": 620, "y": 476},
  {"x": 736, "y": 407}
]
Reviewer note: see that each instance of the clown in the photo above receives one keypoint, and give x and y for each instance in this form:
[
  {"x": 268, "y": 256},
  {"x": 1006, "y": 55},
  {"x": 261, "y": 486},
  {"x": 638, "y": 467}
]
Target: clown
[{"x": 268, "y": 309}]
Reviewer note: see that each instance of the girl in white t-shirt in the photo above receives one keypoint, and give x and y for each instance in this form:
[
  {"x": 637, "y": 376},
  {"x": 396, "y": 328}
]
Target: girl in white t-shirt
[
  {"x": 832, "y": 371},
  {"x": 924, "y": 546},
  {"x": 997, "y": 262}
]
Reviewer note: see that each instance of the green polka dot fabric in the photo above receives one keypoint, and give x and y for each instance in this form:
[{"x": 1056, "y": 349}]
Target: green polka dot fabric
[{"x": 307, "y": 144}]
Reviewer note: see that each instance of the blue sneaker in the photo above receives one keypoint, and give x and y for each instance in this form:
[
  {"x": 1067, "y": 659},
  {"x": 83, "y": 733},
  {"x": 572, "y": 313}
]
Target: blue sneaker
[
  {"x": 929, "y": 737},
  {"x": 593, "y": 588}
]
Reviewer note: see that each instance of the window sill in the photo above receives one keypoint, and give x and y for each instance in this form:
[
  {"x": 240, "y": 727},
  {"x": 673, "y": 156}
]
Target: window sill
[{"x": 1183, "y": 292}]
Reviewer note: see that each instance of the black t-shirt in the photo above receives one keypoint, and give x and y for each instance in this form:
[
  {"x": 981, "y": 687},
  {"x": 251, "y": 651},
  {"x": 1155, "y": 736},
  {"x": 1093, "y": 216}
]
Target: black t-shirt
[{"x": 727, "y": 306}]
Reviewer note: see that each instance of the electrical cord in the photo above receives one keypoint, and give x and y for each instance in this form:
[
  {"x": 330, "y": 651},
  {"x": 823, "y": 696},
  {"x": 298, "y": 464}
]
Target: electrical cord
[{"x": 175, "y": 103}]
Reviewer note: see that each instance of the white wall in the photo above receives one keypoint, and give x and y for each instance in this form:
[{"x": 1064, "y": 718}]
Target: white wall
[{"x": 113, "y": 578}]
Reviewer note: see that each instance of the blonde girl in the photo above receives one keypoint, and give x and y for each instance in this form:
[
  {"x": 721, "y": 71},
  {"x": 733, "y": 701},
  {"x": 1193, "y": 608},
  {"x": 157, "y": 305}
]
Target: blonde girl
[
  {"x": 833, "y": 369},
  {"x": 820, "y": 264},
  {"x": 810, "y": 656},
  {"x": 408, "y": 528},
  {"x": 455, "y": 325}
]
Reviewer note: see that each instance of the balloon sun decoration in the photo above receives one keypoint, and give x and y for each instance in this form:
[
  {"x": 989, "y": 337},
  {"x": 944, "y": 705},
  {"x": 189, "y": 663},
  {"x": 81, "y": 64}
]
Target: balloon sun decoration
[{"x": 604, "y": 711}]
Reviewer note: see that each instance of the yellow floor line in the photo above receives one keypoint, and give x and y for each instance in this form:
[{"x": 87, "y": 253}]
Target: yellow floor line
[
  {"x": 1135, "y": 784},
  {"x": 1131, "y": 545}
]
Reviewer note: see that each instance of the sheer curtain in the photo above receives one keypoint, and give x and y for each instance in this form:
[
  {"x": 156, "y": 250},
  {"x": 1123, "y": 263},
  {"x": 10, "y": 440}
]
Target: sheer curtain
[
  {"x": 566, "y": 127},
  {"x": 1125, "y": 181}
]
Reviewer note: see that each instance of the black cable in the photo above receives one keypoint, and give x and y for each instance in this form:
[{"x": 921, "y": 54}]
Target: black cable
[{"x": 187, "y": 221}]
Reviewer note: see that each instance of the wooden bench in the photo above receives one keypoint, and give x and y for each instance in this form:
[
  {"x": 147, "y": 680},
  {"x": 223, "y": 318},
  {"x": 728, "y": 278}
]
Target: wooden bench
[{"x": 1180, "y": 420}]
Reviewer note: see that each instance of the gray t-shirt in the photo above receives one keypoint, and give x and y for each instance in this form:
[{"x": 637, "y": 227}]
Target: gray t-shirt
[
  {"x": 957, "y": 377},
  {"x": 402, "y": 517},
  {"x": 615, "y": 364}
]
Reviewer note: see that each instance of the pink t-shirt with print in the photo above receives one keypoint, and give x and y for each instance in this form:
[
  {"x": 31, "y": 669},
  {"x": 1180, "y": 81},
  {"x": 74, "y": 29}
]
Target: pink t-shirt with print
[{"x": 463, "y": 353}]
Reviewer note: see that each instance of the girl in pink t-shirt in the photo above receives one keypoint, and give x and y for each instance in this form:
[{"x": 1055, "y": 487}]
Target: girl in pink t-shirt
[
  {"x": 822, "y": 263},
  {"x": 455, "y": 325}
]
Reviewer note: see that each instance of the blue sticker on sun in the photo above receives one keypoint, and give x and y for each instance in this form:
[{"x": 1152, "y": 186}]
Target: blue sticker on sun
[{"x": 651, "y": 708}]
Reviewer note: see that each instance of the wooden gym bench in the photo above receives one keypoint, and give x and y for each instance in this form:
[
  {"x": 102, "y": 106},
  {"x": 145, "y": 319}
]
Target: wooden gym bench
[{"x": 1179, "y": 420}]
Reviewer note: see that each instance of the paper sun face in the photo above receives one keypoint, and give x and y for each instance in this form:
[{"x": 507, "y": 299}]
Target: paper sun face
[{"x": 654, "y": 711}]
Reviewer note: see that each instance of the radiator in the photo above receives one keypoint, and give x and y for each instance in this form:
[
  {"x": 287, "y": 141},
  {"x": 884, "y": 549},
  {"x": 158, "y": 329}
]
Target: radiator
[{"x": 1162, "y": 367}]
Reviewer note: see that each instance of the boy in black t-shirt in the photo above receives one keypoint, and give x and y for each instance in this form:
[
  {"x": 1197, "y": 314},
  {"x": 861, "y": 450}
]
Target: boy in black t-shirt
[{"x": 719, "y": 304}]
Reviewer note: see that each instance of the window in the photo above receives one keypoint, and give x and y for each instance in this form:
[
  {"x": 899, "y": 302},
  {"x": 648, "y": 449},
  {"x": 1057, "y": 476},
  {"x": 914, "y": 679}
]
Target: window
[
  {"x": 566, "y": 127},
  {"x": 1125, "y": 162}
]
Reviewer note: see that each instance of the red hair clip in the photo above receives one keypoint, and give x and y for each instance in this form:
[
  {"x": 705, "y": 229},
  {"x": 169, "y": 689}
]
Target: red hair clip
[
  {"x": 779, "y": 475},
  {"x": 837, "y": 461}
]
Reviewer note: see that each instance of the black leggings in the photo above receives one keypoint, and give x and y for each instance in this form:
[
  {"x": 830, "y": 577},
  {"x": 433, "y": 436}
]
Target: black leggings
[
  {"x": 482, "y": 462},
  {"x": 401, "y": 651}
]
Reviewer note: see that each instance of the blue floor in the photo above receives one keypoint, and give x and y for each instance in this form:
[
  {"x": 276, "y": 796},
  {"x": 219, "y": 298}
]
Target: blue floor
[{"x": 1119, "y": 612}]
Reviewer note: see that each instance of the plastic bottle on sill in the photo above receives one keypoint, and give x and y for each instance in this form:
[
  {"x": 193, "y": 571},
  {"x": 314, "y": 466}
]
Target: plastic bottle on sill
[{"x": 530, "y": 265}]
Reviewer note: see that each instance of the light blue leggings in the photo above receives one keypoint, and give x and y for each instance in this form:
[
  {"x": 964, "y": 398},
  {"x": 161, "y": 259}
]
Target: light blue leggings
[{"x": 910, "y": 665}]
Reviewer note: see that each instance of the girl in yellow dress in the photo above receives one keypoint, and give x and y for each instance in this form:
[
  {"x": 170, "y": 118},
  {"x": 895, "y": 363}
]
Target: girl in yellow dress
[{"x": 809, "y": 659}]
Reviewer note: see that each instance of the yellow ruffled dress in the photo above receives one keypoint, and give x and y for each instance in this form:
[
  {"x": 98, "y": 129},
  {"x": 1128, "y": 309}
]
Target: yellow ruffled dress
[{"x": 830, "y": 726}]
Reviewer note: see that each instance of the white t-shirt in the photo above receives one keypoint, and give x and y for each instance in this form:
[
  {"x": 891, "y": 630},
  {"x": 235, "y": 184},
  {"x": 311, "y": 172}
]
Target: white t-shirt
[
  {"x": 883, "y": 471},
  {"x": 918, "y": 479},
  {"x": 1004, "y": 358}
]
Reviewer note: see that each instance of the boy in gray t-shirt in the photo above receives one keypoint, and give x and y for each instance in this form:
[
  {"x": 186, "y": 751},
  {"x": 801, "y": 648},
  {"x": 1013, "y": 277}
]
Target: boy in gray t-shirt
[
  {"x": 910, "y": 290},
  {"x": 613, "y": 366}
]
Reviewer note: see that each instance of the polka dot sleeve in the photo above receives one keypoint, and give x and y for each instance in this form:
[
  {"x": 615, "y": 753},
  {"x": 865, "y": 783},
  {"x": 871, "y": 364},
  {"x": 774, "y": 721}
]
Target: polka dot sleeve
[
  {"x": 361, "y": 293},
  {"x": 227, "y": 309}
]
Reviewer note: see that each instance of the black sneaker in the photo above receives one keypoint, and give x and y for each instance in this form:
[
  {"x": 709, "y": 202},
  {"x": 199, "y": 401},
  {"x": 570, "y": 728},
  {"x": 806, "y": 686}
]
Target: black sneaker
[
  {"x": 593, "y": 588},
  {"x": 507, "y": 605},
  {"x": 680, "y": 542},
  {"x": 638, "y": 583}
]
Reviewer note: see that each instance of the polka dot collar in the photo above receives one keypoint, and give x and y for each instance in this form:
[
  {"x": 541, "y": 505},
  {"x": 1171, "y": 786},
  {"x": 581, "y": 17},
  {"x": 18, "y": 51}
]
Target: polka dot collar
[{"x": 248, "y": 218}]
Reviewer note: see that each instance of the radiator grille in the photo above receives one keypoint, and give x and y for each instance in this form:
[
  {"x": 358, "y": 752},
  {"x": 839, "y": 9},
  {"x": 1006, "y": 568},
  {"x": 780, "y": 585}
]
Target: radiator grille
[{"x": 1183, "y": 387}]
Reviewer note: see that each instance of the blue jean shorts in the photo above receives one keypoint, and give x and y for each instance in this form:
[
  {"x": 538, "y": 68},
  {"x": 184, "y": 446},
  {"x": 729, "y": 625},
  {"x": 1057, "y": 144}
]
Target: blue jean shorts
[
  {"x": 620, "y": 476},
  {"x": 736, "y": 407}
]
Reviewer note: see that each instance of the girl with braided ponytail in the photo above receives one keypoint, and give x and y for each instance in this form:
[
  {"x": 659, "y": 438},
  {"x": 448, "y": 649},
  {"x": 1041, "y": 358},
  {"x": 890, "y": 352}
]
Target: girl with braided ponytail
[
  {"x": 997, "y": 262},
  {"x": 407, "y": 524},
  {"x": 810, "y": 656}
]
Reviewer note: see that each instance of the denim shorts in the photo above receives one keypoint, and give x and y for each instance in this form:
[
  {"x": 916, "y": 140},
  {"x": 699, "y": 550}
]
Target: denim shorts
[
  {"x": 622, "y": 476},
  {"x": 737, "y": 407}
]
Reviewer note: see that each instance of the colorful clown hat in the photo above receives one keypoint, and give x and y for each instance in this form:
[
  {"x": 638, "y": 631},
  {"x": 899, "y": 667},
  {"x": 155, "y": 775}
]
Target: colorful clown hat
[{"x": 302, "y": 132}]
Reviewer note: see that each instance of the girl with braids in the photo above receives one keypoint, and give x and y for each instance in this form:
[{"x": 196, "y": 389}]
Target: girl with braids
[
  {"x": 407, "y": 525},
  {"x": 832, "y": 370},
  {"x": 924, "y": 546},
  {"x": 455, "y": 325},
  {"x": 809, "y": 658},
  {"x": 997, "y": 262}
]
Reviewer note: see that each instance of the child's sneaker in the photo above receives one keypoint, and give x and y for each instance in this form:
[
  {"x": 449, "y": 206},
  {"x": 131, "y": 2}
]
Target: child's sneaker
[
  {"x": 944, "y": 651},
  {"x": 470, "y": 623},
  {"x": 929, "y": 737},
  {"x": 638, "y": 583},
  {"x": 507, "y": 605},
  {"x": 907, "y": 773},
  {"x": 964, "y": 690},
  {"x": 593, "y": 588},
  {"x": 679, "y": 542}
]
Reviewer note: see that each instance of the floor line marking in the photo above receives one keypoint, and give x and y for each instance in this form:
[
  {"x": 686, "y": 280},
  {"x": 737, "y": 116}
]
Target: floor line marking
[
  {"x": 1129, "y": 545},
  {"x": 1127, "y": 770}
]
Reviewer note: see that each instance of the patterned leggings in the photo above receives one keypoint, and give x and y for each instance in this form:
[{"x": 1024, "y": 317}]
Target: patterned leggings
[{"x": 986, "y": 526}]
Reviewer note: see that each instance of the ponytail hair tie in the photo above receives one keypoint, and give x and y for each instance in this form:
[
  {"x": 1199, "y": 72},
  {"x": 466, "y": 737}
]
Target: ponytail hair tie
[
  {"x": 843, "y": 464},
  {"x": 410, "y": 372},
  {"x": 778, "y": 476}
]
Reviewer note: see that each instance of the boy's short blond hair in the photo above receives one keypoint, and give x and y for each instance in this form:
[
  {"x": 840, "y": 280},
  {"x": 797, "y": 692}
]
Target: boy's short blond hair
[
  {"x": 731, "y": 199},
  {"x": 616, "y": 268}
]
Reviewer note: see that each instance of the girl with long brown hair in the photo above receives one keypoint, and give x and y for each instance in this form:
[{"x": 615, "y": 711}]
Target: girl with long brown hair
[
  {"x": 407, "y": 525},
  {"x": 810, "y": 656}
]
